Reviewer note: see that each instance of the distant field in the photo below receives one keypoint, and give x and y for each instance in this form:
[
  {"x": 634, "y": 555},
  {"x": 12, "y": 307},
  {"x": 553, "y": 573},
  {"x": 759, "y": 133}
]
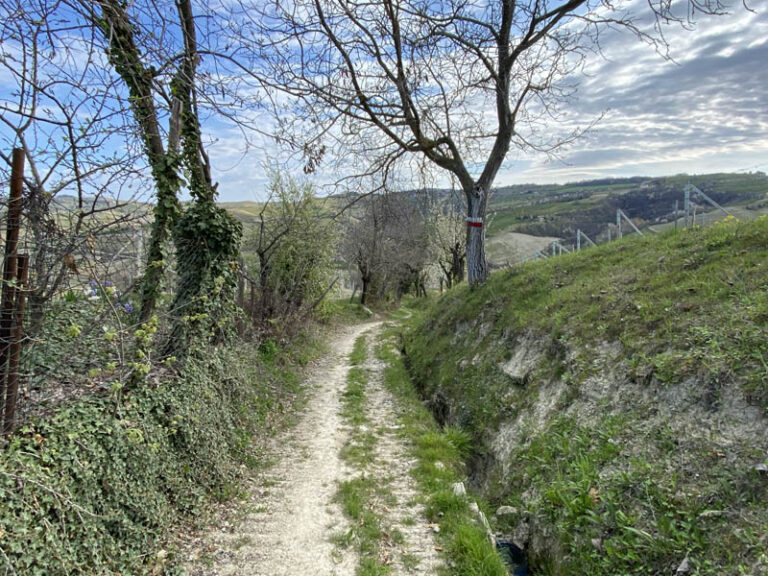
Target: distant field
[
  {"x": 512, "y": 247},
  {"x": 558, "y": 211},
  {"x": 525, "y": 218},
  {"x": 247, "y": 212}
]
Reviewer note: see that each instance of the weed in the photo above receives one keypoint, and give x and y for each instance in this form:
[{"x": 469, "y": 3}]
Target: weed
[
  {"x": 357, "y": 496},
  {"x": 439, "y": 455}
]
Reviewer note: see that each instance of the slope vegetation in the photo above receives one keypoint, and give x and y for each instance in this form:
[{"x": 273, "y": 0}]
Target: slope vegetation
[
  {"x": 618, "y": 399},
  {"x": 99, "y": 484},
  {"x": 559, "y": 210}
]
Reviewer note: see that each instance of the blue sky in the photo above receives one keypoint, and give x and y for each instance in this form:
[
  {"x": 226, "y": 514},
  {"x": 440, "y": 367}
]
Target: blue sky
[{"x": 704, "y": 110}]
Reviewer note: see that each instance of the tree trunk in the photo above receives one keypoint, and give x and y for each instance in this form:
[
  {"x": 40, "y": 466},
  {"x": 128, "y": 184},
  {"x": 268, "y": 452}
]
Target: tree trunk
[
  {"x": 125, "y": 56},
  {"x": 458, "y": 258},
  {"x": 241, "y": 283},
  {"x": 154, "y": 271},
  {"x": 366, "y": 288},
  {"x": 36, "y": 312},
  {"x": 477, "y": 265},
  {"x": 252, "y": 310},
  {"x": 264, "y": 295}
]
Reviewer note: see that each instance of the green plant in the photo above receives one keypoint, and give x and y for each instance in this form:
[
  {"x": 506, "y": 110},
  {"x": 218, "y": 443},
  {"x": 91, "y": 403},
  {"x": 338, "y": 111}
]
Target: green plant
[
  {"x": 620, "y": 489},
  {"x": 207, "y": 243},
  {"x": 357, "y": 496},
  {"x": 440, "y": 456},
  {"x": 95, "y": 486}
]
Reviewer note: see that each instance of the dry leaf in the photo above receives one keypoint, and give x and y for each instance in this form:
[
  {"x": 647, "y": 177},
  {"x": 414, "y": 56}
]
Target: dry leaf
[{"x": 69, "y": 262}]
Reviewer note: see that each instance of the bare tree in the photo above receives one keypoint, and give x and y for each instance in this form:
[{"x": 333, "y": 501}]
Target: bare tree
[
  {"x": 59, "y": 106},
  {"x": 388, "y": 241},
  {"x": 364, "y": 242},
  {"x": 450, "y": 239},
  {"x": 457, "y": 82}
]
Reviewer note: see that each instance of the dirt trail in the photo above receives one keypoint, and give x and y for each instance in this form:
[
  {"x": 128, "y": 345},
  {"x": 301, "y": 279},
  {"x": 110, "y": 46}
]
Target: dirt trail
[{"x": 290, "y": 514}]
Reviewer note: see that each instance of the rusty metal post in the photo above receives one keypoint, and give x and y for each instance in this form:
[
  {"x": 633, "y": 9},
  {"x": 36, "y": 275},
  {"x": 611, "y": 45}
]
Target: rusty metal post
[
  {"x": 14, "y": 358},
  {"x": 10, "y": 266}
]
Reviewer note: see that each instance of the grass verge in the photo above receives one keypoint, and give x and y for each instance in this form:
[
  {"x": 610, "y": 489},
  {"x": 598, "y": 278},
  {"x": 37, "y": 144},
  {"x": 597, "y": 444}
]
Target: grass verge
[
  {"x": 440, "y": 455},
  {"x": 359, "y": 496},
  {"x": 635, "y": 442}
]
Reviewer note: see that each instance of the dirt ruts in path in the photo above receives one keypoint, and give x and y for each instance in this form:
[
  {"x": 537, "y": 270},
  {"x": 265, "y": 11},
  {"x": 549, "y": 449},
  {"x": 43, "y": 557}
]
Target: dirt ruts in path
[
  {"x": 289, "y": 514},
  {"x": 291, "y": 510},
  {"x": 415, "y": 552}
]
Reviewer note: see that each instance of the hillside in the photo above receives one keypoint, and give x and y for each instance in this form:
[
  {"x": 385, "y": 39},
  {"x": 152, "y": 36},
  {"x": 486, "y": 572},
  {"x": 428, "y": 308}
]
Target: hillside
[
  {"x": 618, "y": 401},
  {"x": 559, "y": 210}
]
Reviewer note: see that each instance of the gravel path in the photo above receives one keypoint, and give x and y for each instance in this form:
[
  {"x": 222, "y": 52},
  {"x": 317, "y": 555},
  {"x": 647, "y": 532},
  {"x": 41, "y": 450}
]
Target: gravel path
[{"x": 289, "y": 513}]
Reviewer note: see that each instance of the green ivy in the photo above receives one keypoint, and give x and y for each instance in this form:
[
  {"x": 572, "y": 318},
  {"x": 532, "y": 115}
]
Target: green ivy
[
  {"x": 94, "y": 487},
  {"x": 207, "y": 242}
]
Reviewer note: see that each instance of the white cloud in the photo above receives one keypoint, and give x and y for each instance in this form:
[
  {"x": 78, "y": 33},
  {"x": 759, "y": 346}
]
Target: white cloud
[{"x": 705, "y": 110}]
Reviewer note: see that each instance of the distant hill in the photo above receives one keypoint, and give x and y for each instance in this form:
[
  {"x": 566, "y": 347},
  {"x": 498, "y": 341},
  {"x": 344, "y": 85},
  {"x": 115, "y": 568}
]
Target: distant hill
[
  {"x": 247, "y": 211},
  {"x": 560, "y": 210}
]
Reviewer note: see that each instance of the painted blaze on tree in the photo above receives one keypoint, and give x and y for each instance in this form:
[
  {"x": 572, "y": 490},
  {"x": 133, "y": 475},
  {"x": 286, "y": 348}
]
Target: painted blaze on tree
[{"x": 456, "y": 82}]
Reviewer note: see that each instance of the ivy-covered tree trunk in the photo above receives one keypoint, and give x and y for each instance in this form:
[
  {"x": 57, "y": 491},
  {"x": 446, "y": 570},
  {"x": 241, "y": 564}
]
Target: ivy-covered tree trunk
[
  {"x": 165, "y": 214},
  {"x": 125, "y": 56},
  {"x": 207, "y": 238},
  {"x": 207, "y": 242}
]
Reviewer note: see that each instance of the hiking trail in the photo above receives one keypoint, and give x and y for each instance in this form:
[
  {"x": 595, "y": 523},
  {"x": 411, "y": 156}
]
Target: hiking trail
[{"x": 289, "y": 516}]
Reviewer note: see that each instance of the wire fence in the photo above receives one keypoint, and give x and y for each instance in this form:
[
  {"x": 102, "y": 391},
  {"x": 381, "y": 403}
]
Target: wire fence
[
  {"x": 692, "y": 213},
  {"x": 68, "y": 276}
]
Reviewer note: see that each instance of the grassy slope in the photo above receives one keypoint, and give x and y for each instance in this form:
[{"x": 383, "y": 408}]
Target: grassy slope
[
  {"x": 613, "y": 482},
  {"x": 558, "y": 210}
]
